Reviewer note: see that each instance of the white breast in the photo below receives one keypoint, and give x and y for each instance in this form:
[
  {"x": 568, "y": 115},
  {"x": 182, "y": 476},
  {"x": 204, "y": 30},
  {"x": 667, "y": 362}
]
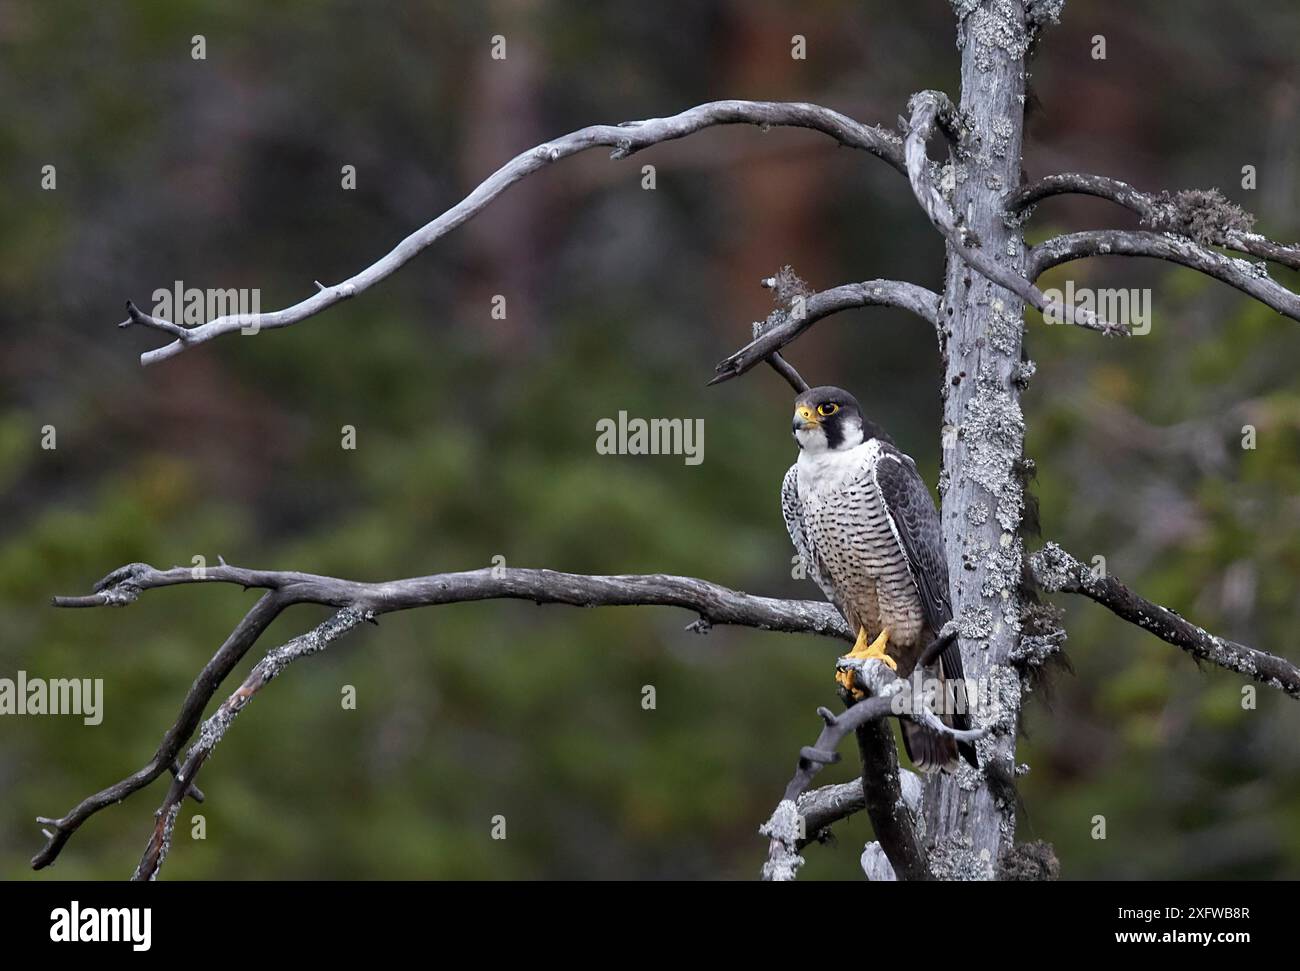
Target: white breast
[{"x": 847, "y": 524}]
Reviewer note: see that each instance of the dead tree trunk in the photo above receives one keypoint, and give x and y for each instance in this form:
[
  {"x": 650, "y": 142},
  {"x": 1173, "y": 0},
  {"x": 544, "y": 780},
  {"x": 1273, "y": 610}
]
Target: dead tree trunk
[{"x": 968, "y": 821}]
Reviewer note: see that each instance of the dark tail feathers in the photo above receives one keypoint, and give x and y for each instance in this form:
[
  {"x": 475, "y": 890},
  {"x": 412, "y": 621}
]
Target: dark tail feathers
[{"x": 930, "y": 750}]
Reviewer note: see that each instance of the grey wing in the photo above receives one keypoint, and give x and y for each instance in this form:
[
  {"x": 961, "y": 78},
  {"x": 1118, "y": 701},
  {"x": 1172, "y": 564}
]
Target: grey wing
[
  {"x": 792, "y": 511},
  {"x": 916, "y": 521}
]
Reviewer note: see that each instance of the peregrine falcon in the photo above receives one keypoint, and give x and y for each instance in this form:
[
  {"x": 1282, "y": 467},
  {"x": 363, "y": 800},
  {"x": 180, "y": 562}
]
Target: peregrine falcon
[{"x": 867, "y": 531}]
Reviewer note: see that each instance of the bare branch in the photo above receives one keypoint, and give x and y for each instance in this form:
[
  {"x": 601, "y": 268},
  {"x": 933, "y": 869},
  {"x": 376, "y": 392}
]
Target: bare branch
[
  {"x": 782, "y": 829},
  {"x": 214, "y": 729},
  {"x": 926, "y": 107},
  {"x": 827, "y": 805},
  {"x": 892, "y": 814},
  {"x": 625, "y": 139},
  {"x": 1031, "y": 193},
  {"x": 1249, "y": 278},
  {"x": 715, "y": 604},
  {"x": 205, "y": 685},
  {"x": 823, "y": 807},
  {"x": 786, "y": 324},
  {"x": 1057, "y": 571},
  {"x": 1204, "y": 216}
]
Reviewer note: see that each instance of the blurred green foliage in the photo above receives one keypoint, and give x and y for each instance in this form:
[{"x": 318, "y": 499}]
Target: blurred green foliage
[{"x": 476, "y": 437}]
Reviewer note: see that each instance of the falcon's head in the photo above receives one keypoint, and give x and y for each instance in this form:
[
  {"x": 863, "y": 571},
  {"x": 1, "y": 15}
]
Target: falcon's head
[{"x": 830, "y": 419}]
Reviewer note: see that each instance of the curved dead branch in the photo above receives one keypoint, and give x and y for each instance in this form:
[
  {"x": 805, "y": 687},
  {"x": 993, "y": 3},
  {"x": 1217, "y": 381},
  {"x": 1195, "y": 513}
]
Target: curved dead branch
[
  {"x": 793, "y": 321},
  {"x": 1055, "y": 570},
  {"x": 713, "y": 603},
  {"x": 625, "y": 139},
  {"x": 1204, "y": 216},
  {"x": 1250, "y": 278},
  {"x": 927, "y": 107}
]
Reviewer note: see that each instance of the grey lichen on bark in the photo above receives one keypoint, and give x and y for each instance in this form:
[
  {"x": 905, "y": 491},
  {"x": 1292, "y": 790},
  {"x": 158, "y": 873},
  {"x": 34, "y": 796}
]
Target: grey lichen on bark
[
  {"x": 970, "y": 816},
  {"x": 784, "y": 830}
]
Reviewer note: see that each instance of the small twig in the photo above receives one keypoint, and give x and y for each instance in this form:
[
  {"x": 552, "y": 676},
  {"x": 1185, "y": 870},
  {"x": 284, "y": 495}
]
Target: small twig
[
  {"x": 193, "y": 791},
  {"x": 784, "y": 368},
  {"x": 939, "y": 644},
  {"x": 136, "y": 316},
  {"x": 824, "y": 806},
  {"x": 876, "y": 865}
]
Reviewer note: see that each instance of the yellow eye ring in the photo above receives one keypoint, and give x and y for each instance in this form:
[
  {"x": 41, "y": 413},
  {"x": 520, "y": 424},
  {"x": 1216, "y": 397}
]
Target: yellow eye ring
[{"x": 827, "y": 410}]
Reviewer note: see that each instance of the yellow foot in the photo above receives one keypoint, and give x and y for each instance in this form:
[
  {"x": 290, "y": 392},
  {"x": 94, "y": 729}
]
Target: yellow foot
[
  {"x": 862, "y": 651},
  {"x": 875, "y": 651},
  {"x": 844, "y": 678}
]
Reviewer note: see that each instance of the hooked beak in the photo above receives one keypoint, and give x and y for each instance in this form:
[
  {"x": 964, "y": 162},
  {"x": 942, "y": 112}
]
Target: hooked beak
[{"x": 804, "y": 419}]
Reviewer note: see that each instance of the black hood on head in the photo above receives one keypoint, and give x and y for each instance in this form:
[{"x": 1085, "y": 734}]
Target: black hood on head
[{"x": 845, "y": 412}]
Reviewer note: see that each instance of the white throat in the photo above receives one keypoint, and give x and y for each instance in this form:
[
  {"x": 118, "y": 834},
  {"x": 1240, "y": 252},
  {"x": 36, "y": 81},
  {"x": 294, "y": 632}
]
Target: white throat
[{"x": 826, "y": 468}]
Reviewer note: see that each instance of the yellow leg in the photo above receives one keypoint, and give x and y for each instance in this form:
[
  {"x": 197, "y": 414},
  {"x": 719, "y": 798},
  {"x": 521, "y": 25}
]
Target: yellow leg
[{"x": 875, "y": 651}]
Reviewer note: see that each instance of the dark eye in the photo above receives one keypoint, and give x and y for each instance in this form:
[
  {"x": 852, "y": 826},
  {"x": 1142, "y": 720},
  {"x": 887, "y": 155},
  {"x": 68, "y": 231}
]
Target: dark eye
[{"x": 827, "y": 409}]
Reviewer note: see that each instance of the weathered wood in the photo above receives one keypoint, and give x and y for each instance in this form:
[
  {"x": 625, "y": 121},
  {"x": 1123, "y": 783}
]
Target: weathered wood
[{"x": 967, "y": 825}]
